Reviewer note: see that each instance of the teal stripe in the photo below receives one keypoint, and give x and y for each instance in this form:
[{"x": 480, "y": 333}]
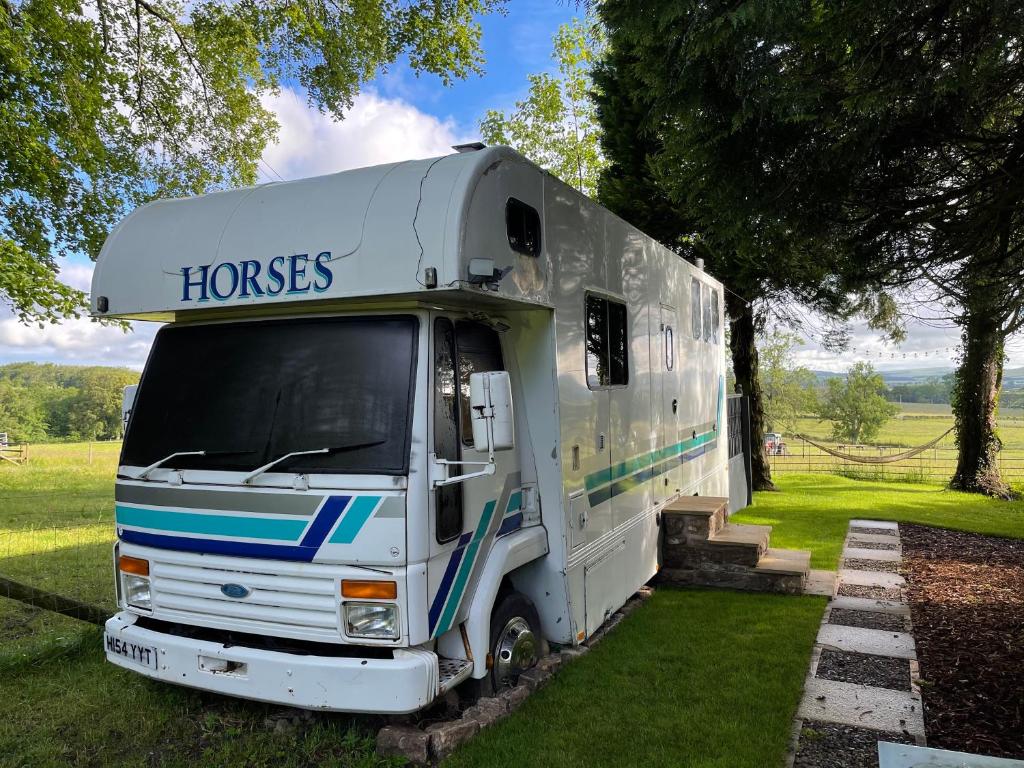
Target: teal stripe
[
  {"x": 631, "y": 467},
  {"x": 214, "y": 525},
  {"x": 355, "y": 518},
  {"x": 466, "y": 568},
  {"x": 515, "y": 501}
]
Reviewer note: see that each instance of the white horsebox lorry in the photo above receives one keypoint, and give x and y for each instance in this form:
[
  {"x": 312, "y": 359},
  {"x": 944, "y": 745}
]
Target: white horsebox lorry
[{"x": 404, "y": 426}]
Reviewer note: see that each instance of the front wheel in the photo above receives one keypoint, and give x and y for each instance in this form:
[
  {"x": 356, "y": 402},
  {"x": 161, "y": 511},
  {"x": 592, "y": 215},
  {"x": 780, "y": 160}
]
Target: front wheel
[{"x": 515, "y": 641}]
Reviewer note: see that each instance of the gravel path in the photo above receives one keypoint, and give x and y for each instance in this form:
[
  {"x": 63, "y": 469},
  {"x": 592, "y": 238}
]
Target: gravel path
[
  {"x": 890, "y": 622},
  {"x": 860, "y": 668},
  {"x": 856, "y": 564},
  {"x": 875, "y": 593},
  {"x": 828, "y": 745},
  {"x": 877, "y": 531}
]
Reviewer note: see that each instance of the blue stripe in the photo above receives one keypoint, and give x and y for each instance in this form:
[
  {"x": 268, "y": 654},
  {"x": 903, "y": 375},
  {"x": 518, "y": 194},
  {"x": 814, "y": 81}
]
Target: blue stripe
[
  {"x": 325, "y": 519},
  {"x": 220, "y": 547},
  {"x": 213, "y": 525},
  {"x": 511, "y": 523},
  {"x": 354, "y": 519},
  {"x": 446, "y": 580},
  {"x": 629, "y": 483}
]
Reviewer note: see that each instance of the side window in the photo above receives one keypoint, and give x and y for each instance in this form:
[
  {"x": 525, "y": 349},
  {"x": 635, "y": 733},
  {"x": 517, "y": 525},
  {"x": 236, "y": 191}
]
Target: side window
[
  {"x": 670, "y": 349},
  {"x": 479, "y": 350},
  {"x": 716, "y": 321},
  {"x": 707, "y": 313},
  {"x": 607, "y": 343},
  {"x": 695, "y": 312},
  {"x": 448, "y": 498},
  {"x": 522, "y": 224}
]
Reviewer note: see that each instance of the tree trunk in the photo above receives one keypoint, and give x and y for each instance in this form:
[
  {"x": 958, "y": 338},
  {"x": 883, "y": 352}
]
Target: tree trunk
[
  {"x": 742, "y": 344},
  {"x": 975, "y": 399}
]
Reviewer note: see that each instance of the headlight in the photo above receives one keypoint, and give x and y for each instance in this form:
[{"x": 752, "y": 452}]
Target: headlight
[
  {"x": 374, "y": 620},
  {"x": 136, "y": 591}
]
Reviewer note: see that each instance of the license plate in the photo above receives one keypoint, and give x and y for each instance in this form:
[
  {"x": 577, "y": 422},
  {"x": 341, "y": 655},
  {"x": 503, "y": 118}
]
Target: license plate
[{"x": 143, "y": 655}]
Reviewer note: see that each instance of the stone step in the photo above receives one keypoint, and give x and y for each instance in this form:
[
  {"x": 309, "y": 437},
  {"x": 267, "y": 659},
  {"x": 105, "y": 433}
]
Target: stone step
[
  {"x": 735, "y": 577},
  {"x": 689, "y": 519},
  {"x": 793, "y": 561},
  {"x": 738, "y": 544}
]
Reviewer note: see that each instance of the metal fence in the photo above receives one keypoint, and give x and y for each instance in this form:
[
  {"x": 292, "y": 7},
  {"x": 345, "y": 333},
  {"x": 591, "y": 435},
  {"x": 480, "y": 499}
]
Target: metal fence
[{"x": 934, "y": 464}]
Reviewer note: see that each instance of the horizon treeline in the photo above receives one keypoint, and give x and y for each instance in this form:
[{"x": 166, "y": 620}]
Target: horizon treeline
[{"x": 48, "y": 402}]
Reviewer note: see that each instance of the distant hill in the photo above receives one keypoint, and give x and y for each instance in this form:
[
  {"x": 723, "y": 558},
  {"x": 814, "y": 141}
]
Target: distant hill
[{"x": 1013, "y": 378}]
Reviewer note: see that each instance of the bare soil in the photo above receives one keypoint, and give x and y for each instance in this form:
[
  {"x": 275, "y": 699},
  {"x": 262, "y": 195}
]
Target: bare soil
[
  {"x": 864, "y": 669},
  {"x": 966, "y": 594}
]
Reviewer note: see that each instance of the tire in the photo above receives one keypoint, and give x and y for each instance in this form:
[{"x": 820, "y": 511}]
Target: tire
[{"x": 510, "y": 650}]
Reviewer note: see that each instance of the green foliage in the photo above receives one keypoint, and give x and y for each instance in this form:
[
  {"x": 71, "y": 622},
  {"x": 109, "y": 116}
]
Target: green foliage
[
  {"x": 856, "y": 405},
  {"x": 40, "y": 402},
  {"x": 934, "y": 390},
  {"x": 108, "y": 105},
  {"x": 790, "y": 390},
  {"x": 556, "y": 124}
]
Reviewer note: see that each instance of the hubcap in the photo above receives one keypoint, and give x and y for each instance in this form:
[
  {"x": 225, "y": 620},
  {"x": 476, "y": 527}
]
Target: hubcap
[{"x": 516, "y": 651}]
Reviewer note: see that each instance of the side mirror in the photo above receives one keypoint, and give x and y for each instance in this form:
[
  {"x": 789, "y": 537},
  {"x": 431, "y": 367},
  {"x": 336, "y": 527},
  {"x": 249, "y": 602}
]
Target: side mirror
[
  {"x": 127, "y": 403},
  {"x": 490, "y": 402}
]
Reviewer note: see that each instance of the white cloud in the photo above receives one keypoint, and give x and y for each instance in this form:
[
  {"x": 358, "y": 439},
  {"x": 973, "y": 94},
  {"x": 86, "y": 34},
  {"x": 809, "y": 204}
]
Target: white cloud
[{"x": 376, "y": 130}]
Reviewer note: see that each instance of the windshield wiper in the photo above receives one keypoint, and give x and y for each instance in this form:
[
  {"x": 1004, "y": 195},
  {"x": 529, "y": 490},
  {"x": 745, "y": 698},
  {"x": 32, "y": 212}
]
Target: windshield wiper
[
  {"x": 157, "y": 464},
  {"x": 282, "y": 459}
]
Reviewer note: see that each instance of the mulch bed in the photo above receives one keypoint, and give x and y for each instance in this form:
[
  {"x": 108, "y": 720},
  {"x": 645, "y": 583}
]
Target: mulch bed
[
  {"x": 827, "y": 745},
  {"x": 875, "y": 593},
  {"x": 872, "y": 544},
  {"x": 966, "y": 595},
  {"x": 889, "y": 622},
  {"x": 858, "y": 564},
  {"x": 876, "y": 531},
  {"x": 864, "y": 669}
]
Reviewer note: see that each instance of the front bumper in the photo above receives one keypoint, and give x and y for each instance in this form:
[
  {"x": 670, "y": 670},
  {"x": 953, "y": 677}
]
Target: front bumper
[{"x": 399, "y": 685}]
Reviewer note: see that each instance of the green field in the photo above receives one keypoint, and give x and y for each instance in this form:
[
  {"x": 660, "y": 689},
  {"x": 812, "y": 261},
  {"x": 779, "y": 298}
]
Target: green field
[{"x": 694, "y": 678}]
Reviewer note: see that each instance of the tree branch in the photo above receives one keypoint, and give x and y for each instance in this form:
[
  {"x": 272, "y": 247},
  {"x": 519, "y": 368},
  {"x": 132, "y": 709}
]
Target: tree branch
[{"x": 157, "y": 13}]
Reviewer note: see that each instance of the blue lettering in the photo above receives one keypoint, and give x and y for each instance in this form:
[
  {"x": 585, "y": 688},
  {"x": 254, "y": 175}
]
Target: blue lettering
[
  {"x": 233, "y": 271},
  {"x": 186, "y": 283},
  {"x": 275, "y": 274},
  {"x": 323, "y": 272},
  {"x": 249, "y": 280},
  {"x": 295, "y": 273}
]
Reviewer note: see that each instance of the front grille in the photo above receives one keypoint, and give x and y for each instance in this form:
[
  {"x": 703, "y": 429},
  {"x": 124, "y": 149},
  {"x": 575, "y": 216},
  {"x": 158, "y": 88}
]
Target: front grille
[{"x": 301, "y": 604}]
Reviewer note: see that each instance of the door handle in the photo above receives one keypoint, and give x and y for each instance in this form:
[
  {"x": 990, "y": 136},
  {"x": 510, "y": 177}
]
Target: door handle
[{"x": 675, "y": 405}]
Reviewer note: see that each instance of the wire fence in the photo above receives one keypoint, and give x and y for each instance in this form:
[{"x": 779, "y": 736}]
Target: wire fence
[{"x": 933, "y": 465}]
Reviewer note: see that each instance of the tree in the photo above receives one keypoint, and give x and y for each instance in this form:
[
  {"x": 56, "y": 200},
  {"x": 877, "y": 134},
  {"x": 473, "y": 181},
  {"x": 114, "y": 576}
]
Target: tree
[
  {"x": 673, "y": 137},
  {"x": 789, "y": 389},
  {"x": 556, "y": 125},
  {"x": 109, "y": 105},
  {"x": 856, "y": 405}
]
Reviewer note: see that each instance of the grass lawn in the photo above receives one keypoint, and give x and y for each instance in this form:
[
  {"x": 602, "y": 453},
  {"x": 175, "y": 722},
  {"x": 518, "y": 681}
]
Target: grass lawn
[
  {"x": 78, "y": 710},
  {"x": 693, "y": 678},
  {"x": 812, "y": 511}
]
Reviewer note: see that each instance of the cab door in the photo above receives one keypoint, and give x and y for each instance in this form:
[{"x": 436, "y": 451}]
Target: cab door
[{"x": 465, "y": 516}]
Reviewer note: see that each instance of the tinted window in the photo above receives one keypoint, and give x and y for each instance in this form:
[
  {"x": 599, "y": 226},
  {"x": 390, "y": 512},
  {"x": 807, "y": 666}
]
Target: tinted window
[
  {"x": 708, "y": 330},
  {"x": 447, "y": 498},
  {"x": 249, "y": 393},
  {"x": 695, "y": 312},
  {"x": 479, "y": 350},
  {"x": 522, "y": 223},
  {"x": 716, "y": 321},
  {"x": 607, "y": 343}
]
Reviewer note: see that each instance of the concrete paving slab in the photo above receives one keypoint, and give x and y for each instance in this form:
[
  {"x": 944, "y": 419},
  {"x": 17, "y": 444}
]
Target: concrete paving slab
[
  {"x": 863, "y": 706},
  {"x": 875, "y": 524},
  {"x": 909, "y": 756},
  {"x": 869, "y": 604},
  {"x": 876, "y": 538},
  {"x": 871, "y": 578},
  {"x": 820, "y": 583},
  {"x": 877, "y": 642},
  {"x": 888, "y": 555}
]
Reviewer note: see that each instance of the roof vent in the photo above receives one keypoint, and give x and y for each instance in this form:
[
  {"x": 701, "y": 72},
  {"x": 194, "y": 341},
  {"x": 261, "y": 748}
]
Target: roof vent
[{"x": 473, "y": 146}]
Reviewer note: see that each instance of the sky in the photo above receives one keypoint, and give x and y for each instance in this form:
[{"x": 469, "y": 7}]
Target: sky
[{"x": 400, "y": 116}]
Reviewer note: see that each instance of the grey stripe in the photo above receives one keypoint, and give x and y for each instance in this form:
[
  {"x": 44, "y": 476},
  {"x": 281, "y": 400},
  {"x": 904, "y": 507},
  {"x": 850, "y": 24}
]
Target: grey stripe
[
  {"x": 393, "y": 506},
  {"x": 227, "y": 501}
]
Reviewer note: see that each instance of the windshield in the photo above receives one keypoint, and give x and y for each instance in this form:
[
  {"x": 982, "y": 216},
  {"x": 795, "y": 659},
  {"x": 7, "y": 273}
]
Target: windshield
[{"x": 249, "y": 393}]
